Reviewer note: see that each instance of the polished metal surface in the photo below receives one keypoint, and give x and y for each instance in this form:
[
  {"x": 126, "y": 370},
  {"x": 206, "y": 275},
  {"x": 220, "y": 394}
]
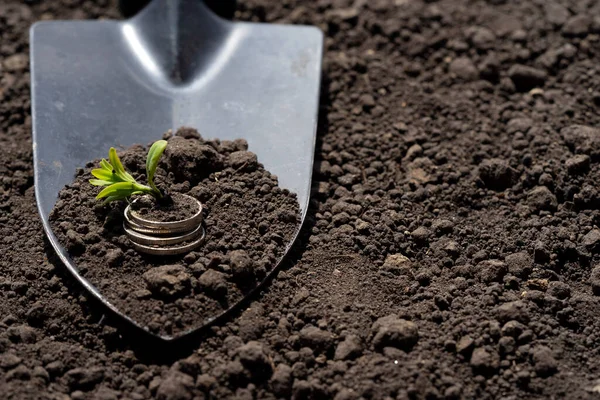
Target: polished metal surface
[
  {"x": 96, "y": 84},
  {"x": 141, "y": 238},
  {"x": 134, "y": 219},
  {"x": 172, "y": 250},
  {"x": 159, "y": 237}
]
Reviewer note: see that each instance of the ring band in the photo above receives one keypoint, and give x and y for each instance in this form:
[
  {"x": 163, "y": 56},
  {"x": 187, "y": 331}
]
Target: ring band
[{"x": 169, "y": 250}]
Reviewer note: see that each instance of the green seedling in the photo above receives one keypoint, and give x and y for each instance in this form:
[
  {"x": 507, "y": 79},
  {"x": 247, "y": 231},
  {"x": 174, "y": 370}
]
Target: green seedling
[{"x": 120, "y": 185}]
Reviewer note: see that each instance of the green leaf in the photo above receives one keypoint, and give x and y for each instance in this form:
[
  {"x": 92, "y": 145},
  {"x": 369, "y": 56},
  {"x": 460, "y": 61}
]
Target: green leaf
[
  {"x": 106, "y": 165},
  {"x": 113, "y": 198},
  {"x": 100, "y": 182},
  {"x": 118, "y": 167},
  {"x": 154, "y": 155},
  {"x": 105, "y": 175},
  {"x": 122, "y": 190},
  {"x": 113, "y": 189},
  {"x": 119, "y": 183}
]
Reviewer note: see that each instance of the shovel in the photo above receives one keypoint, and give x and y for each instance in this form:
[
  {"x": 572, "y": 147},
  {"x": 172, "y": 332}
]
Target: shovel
[{"x": 95, "y": 84}]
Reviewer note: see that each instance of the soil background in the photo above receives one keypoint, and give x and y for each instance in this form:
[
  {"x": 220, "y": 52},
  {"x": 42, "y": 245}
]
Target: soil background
[{"x": 451, "y": 246}]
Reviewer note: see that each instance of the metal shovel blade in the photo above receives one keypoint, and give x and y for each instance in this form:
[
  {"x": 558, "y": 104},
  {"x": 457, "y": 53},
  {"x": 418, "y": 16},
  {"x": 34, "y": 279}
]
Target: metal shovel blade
[{"x": 96, "y": 84}]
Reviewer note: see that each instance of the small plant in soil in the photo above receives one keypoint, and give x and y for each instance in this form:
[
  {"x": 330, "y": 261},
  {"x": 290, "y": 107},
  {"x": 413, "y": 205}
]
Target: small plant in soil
[
  {"x": 156, "y": 223},
  {"x": 120, "y": 185}
]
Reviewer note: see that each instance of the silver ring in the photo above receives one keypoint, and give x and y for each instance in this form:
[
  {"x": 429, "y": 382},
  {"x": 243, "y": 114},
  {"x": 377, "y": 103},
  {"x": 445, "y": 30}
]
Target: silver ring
[
  {"x": 140, "y": 238},
  {"x": 148, "y": 230},
  {"x": 174, "y": 226},
  {"x": 170, "y": 250}
]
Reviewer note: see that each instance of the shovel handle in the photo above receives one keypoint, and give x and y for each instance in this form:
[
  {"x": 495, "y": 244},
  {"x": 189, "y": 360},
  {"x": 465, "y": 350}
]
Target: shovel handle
[{"x": 223, "y": 8}]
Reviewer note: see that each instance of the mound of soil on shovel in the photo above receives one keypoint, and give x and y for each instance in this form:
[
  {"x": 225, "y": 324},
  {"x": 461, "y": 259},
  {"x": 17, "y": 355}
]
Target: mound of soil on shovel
[{"x": 249, "y": 223}]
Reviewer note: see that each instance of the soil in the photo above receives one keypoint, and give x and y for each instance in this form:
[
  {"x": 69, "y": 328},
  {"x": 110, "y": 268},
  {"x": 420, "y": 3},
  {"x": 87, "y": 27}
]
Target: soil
[
  {"x": 177, "y": 209},
  {"x": 451, "y": 249},
  {"x": 250, "y": 221}
]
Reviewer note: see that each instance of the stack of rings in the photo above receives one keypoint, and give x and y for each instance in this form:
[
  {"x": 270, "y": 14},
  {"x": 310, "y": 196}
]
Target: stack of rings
[{"x": 164, "y": 238}]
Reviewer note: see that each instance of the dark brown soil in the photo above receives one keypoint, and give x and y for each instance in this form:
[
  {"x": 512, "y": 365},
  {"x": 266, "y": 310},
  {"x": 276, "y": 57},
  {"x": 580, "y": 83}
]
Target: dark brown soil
[
  {"x": 178, "y": 208},
  {"x": 452, "y": 247},
  {"x": 249, "y": 223}
]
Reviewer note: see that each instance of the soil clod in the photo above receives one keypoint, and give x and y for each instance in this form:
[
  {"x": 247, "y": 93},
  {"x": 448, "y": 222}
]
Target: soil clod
[
  {"x": 497, "y": 174},
  {"x": 542, "y": 199},
  {"x": 526, "y": 78},
  {"x": 394, "y": 332},
  {"x": 167, "y": 280}
]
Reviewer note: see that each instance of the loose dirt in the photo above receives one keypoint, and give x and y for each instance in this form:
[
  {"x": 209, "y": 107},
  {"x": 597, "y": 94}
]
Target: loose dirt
[
  {"x": 451, "y": 249},
  {"x": 172, "y": 207}
]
